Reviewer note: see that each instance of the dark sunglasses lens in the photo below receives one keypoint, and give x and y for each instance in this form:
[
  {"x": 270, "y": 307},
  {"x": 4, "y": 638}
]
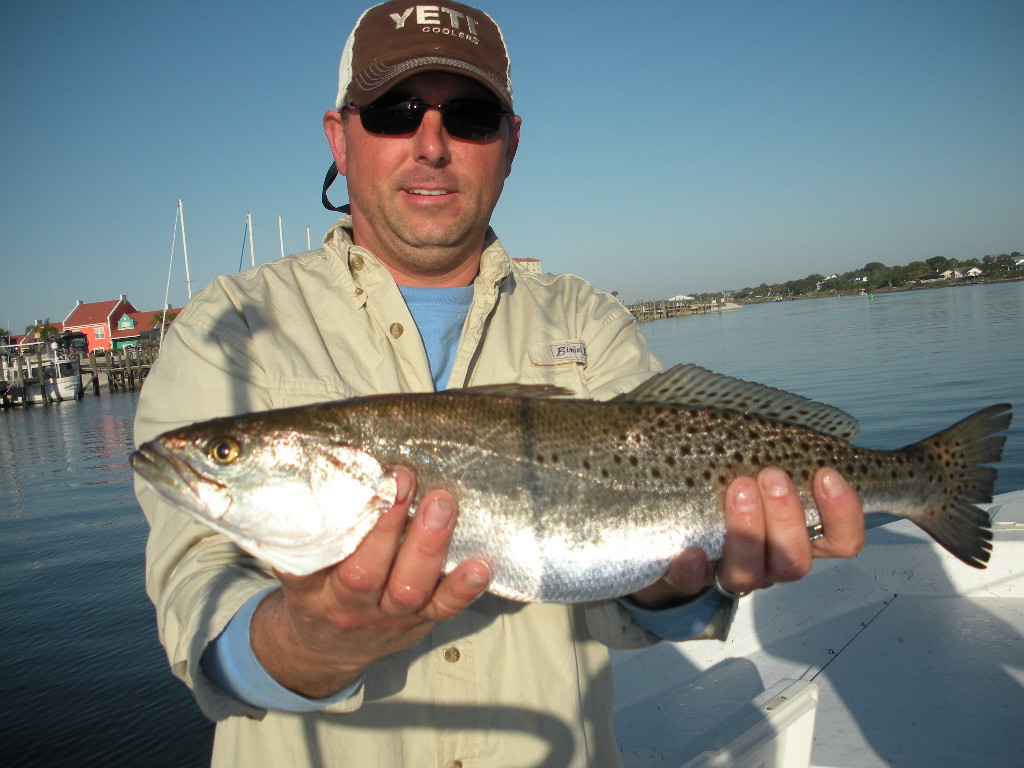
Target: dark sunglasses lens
[
  {"x": 473, "y": 119},
  {"x": 391, "y": 119}
]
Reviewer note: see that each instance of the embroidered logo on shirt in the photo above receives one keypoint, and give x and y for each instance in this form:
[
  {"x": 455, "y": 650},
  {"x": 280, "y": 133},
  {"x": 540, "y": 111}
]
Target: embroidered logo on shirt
[{"x": 569, "y": 352}]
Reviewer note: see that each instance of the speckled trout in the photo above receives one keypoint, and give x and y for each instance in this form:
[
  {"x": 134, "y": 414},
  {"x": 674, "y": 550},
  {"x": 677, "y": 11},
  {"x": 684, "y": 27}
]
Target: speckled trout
[{"x": 567, "y": 500}]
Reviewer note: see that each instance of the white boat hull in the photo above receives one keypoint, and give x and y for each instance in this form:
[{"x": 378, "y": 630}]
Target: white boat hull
[{"x": 916, "y": 660}]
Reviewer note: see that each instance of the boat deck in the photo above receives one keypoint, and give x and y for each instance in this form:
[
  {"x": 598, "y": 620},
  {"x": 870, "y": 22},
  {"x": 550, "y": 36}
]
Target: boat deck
[{"x": 912, "y": 658}]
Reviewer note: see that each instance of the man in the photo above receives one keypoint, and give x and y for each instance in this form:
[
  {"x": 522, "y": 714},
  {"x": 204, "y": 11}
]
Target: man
[{"x": 379, "y": 660}]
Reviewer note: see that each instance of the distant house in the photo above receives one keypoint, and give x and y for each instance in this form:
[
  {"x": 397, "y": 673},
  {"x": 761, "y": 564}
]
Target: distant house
[
  {"x": 952, "y": 274},
  {"x": 1018, "y": 263},
  {"x": 530, "y": 265},
  {"x": 98, "y": 320},
  {"x": 131, "y": 325},
  {"x": 974, "y": 272}
]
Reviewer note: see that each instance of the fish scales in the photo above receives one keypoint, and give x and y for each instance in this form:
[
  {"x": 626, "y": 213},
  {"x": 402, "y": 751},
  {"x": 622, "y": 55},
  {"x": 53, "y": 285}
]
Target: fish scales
[{"x": 575, "y": 500}]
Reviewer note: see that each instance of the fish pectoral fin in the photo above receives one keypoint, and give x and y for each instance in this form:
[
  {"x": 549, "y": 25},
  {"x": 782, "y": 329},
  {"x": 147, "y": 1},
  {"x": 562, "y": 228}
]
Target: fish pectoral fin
[{"x": 690, "y": 386}]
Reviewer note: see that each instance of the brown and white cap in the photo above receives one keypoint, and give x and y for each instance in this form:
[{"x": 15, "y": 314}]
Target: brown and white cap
[{"x": 396, "y": 40}]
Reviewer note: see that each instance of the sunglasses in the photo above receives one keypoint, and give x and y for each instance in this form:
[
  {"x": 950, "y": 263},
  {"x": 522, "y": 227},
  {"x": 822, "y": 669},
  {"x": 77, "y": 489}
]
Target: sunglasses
[{"x": 468, "y": 118}]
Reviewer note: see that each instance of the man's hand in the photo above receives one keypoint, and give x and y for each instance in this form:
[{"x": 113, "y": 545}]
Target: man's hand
[
  {"x": 766, "y": 539},
  {"x": 317, "y": 634}
]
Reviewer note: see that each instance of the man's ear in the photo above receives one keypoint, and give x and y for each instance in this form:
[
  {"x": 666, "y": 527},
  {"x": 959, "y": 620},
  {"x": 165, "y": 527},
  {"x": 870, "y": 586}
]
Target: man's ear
[
  {"x": 513, "y": 143},
  {"x": 334, "y": 128}
]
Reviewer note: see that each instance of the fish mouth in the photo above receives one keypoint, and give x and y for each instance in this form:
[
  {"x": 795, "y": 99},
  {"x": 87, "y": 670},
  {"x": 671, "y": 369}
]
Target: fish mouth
[{"x": 173, "y": 478}]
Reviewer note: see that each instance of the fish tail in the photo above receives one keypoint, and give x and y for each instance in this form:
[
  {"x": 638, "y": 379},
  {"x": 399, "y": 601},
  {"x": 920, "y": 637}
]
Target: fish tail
[{"x": 962, "y": 452}]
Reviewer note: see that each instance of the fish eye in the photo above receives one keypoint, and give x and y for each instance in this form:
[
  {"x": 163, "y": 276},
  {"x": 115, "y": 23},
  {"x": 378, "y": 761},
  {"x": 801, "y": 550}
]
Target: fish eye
[{"x": 224, "y": 450}]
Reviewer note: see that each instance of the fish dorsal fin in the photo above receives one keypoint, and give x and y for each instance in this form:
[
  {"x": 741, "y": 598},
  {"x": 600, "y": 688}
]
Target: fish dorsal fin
[
  {"x": 515, "y": 390},
  {"x": 690, "y": 386}
]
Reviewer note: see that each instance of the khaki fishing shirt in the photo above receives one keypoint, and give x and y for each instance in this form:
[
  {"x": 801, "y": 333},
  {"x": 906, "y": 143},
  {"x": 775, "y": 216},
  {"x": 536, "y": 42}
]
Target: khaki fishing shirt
[{"x": 504, "y": 684}]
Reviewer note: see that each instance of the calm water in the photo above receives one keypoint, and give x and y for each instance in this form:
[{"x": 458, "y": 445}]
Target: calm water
[{"x": 82, "y": 677}]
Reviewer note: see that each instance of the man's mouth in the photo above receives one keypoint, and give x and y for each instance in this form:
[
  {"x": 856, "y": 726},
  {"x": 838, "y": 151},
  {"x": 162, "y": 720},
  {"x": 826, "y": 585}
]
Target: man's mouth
[{"x": 429, "y": 192}]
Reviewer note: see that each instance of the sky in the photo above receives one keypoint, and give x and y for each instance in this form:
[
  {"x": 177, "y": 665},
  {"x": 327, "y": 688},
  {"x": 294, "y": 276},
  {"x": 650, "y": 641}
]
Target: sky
[{"x": 674, "y": 147}]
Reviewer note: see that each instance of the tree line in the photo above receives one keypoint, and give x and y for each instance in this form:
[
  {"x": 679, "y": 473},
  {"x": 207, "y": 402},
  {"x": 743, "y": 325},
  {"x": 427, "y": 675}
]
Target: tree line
[{"x": 877, "y": 276}]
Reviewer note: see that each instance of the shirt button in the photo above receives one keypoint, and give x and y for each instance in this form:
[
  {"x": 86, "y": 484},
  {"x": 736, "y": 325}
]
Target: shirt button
[
  {"x": 359, "y": 291},
  {"x": 397, "y": 330},
  {"x": 452, "y": 654},
  {"x": 455, "y": 764},
  {"x": 357, "y": 262}
]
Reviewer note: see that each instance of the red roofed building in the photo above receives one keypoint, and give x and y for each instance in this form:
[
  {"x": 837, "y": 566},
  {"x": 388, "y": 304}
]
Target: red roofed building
[
  {"x": 530, "y": 265},
  {"x": 98, "y": 320}
]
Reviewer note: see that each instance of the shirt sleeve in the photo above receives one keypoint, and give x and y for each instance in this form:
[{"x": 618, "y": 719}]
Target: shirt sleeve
[
  {"x": 685, "y": 622},
  {"x": 230, "y": 662}
]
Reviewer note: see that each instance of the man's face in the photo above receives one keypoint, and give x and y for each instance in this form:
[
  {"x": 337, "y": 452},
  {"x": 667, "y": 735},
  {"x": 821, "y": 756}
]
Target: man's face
[{"x": 421, "y": 202}]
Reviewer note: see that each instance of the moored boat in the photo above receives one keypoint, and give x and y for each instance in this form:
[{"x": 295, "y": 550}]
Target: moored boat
[{"x": 37, "y": 379}]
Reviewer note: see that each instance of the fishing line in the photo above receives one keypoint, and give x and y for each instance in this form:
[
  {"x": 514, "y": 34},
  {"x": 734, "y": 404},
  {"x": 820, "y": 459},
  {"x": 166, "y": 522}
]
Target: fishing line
[{"x": 863, "y": 625}]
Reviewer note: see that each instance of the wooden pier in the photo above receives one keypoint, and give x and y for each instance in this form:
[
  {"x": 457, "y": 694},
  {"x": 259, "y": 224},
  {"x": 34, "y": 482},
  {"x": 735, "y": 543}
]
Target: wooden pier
[
  {"x": 661, "y": 309},
  {"x": 121, "y": 370}
]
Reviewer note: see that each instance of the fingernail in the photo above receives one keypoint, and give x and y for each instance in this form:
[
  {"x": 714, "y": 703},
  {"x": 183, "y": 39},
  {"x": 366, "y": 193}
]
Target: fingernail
[
  {"x": 745, "y": 499},
  {"x": 438, "y": 514},
  {"x": 833, "y": 484},
  {"x": 404, "y": 486},
  {"x": 478, "y": 577},
  {"x": 774, "y": 482}
]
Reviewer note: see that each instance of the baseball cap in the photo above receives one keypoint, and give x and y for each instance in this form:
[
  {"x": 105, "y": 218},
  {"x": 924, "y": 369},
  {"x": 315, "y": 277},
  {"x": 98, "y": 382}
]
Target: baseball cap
[{"x": 396, "y": 40}]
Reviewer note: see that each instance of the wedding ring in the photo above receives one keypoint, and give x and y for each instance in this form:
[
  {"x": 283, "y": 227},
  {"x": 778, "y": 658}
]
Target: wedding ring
[
  {"x": 816, "y": 532},
  {"x": 727, "y": 593}
]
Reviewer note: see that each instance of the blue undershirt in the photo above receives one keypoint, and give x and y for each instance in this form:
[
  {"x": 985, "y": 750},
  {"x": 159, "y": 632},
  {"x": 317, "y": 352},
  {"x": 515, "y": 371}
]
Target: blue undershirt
[{"x": 229, "y": 661}]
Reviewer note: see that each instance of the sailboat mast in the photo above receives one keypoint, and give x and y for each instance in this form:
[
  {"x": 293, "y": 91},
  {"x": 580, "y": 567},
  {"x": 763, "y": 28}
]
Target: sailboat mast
[
  {"x": 248, "y": 224},
  {"x": 184, "y": 247},
  {"x": 280, "y": 234}
]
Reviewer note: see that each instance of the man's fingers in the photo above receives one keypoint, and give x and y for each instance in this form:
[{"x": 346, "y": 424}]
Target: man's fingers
[
  {"x": 742, "y": 566},
  {"x": 362, "y": 575},
  {"x": 788, "y": 543},
  {"x": 420, "y": 561},
  {"x": 842, "y": 516},
  {"x": 458, "y": 589}
]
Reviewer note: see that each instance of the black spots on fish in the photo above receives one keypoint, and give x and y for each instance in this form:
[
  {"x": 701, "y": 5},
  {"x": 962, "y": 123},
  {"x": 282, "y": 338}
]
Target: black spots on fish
[
  {"x": 617, "y": 458},
  {"x": 634, "y": 461},
  {"x": 670, "y": 460},
  {"x": 719, "y": 449},
  {"x": 586, "y": 465},
  {"x": 805, "y": 474},
  {"x": 690, "y": 482},
  {"x": 655, "y": 473},
  {"x": 605, "y": 473},
  {"x": 737, "y": 456}
]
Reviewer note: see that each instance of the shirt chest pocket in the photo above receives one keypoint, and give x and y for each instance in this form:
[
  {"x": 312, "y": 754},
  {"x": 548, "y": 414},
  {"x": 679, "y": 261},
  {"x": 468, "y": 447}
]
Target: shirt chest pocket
[{"x": 561, "y": 362}]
